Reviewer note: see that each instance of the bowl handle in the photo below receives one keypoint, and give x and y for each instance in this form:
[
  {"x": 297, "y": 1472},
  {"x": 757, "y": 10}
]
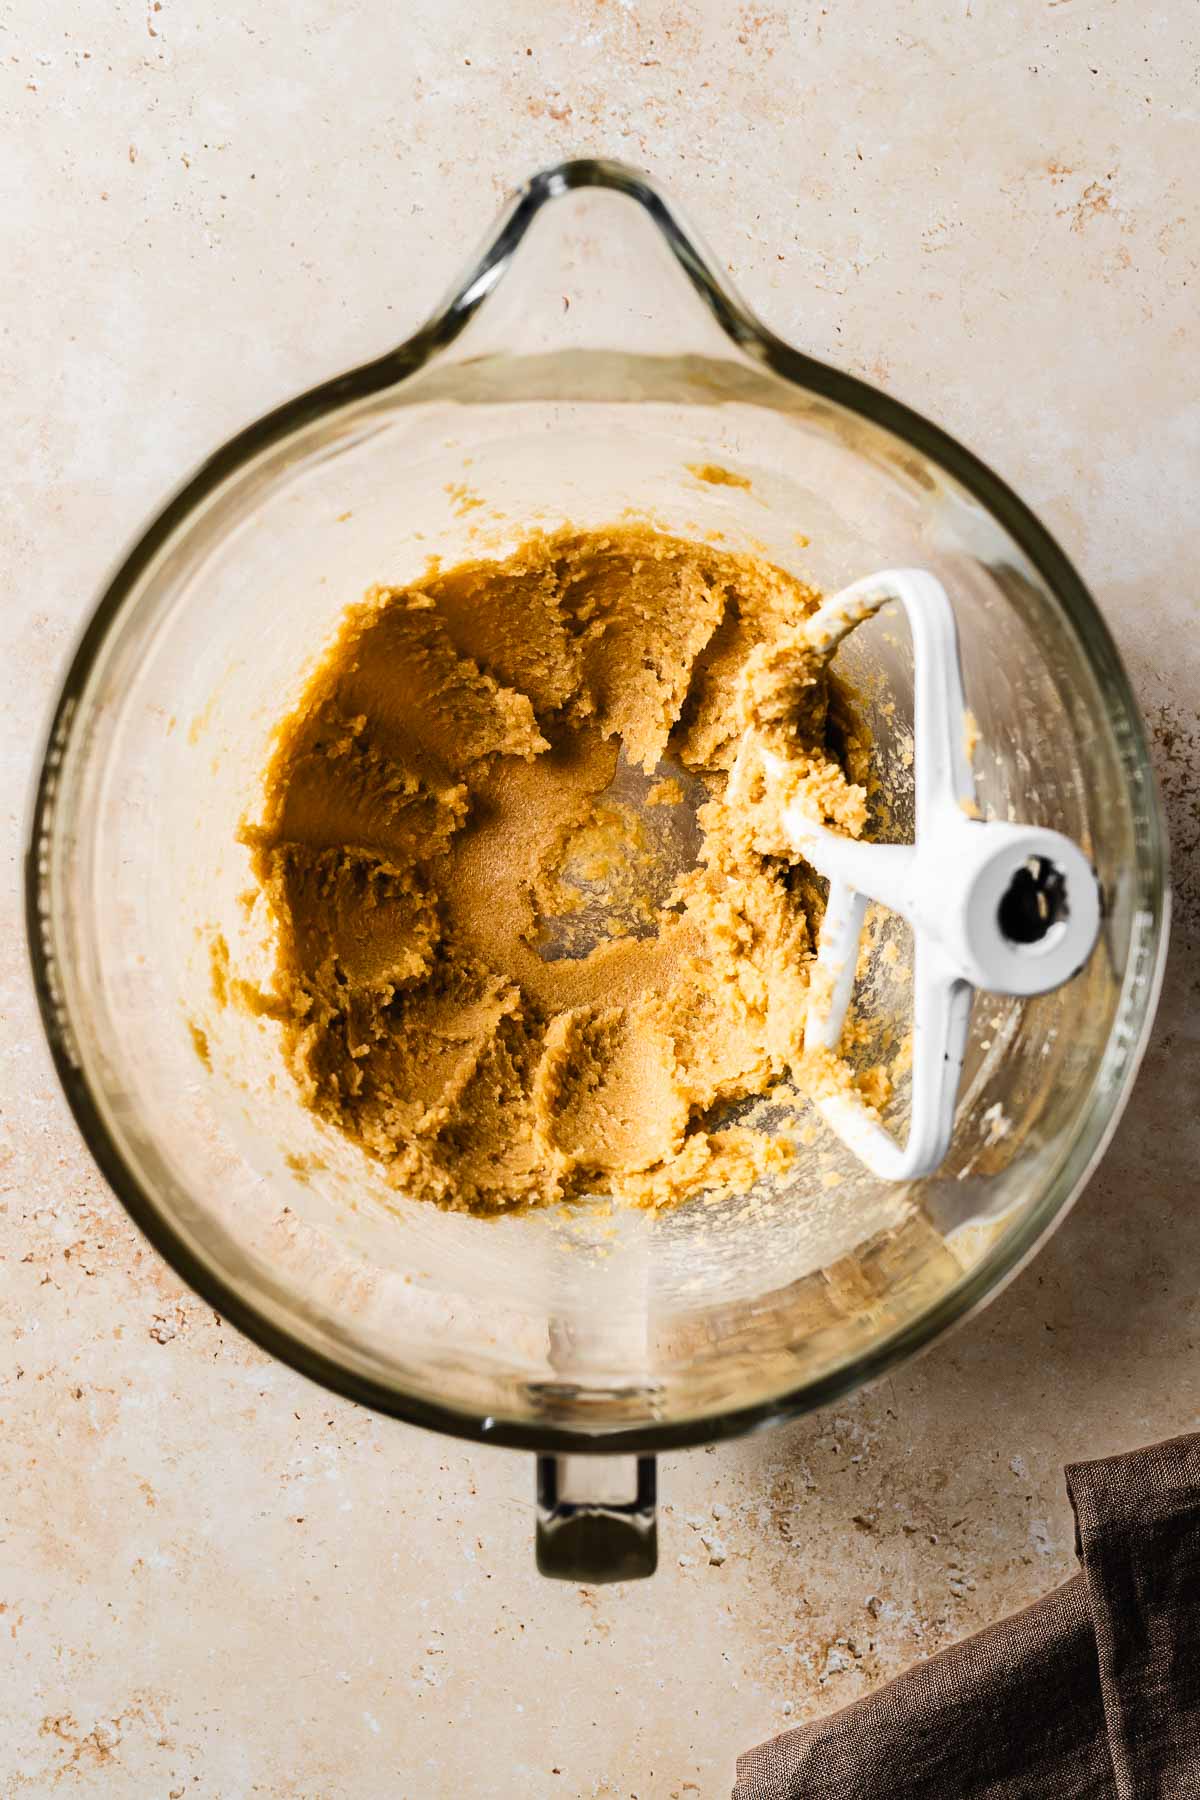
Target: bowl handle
[{"x": 596, "y": 1518}]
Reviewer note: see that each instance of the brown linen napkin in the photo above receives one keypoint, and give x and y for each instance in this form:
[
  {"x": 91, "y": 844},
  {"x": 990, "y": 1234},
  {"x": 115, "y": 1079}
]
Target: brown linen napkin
[{"x": 1091, "y": 1694}]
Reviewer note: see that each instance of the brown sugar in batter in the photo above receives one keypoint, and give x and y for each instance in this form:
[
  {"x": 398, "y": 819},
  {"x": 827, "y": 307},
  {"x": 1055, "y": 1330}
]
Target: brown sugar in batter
[{"x": 488, "y": 974}]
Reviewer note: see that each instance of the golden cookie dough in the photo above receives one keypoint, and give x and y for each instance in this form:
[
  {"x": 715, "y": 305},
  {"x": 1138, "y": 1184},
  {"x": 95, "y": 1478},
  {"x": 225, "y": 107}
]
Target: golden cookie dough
[{"x": 490, "y": 972}]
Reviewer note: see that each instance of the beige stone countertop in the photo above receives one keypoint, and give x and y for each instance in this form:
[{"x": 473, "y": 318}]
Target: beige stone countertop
[{"x": 215, "y": 1580}]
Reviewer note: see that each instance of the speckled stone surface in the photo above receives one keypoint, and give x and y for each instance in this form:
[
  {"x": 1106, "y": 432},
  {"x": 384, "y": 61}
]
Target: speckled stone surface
[{"x": 214, "y": 1580}]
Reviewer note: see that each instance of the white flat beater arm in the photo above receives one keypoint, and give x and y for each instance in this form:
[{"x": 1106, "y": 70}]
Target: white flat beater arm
[{"x": 951, "y": 885}]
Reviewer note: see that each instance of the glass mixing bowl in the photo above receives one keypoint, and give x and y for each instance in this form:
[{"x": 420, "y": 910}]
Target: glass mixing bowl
[{"x": 590, "y": 361}]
